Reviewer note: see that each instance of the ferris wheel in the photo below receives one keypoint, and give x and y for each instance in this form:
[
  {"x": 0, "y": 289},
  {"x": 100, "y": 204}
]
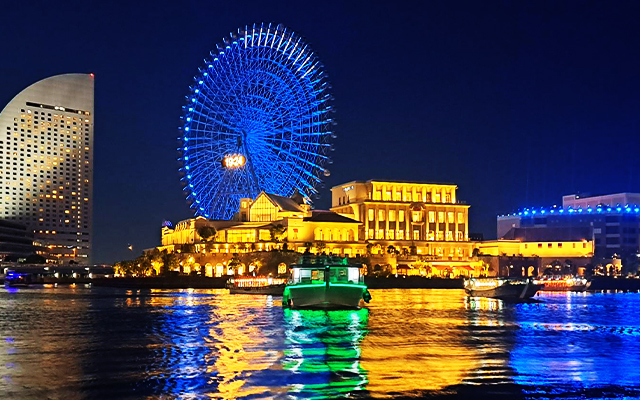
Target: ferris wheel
[{"x": 258, "y": 118}]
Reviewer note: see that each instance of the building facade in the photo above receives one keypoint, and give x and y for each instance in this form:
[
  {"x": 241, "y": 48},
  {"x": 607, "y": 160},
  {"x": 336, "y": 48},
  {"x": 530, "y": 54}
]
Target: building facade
[
  {"x": 528, "y": 257},
  {"x": 433, "y": 239},
  {"x": 611, "y": 221},
  {"x": 426, "y": 217},
  {"x": 16, "y": 242},
  {"x": 46, "y": 163},
  {"x": 269, "y": 221}
]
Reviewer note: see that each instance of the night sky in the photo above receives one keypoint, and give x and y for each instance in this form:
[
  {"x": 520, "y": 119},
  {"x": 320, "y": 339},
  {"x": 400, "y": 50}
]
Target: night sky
[{"x": 518, "y": 103}]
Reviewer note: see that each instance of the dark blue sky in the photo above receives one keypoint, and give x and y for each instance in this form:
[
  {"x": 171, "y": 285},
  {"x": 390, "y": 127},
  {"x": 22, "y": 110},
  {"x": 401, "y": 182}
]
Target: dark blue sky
[{"x": 517, "y": 102}]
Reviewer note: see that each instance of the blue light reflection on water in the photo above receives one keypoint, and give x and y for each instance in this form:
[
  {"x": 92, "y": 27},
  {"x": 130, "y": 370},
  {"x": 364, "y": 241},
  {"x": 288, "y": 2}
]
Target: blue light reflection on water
[{"x": 576, "y": 341}]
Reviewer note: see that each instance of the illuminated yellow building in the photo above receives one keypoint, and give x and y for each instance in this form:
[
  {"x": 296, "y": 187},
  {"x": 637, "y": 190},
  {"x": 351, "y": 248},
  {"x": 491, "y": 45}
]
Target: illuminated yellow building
[
  {"x": 532, "y": 258},
  {"x": 401, "y": 227},
  {"x": 564, "y": 249},
  {"x": 403, "y": 210},
  {"x": 422, "y": 221},
  {"x": 270, "y": 221}
]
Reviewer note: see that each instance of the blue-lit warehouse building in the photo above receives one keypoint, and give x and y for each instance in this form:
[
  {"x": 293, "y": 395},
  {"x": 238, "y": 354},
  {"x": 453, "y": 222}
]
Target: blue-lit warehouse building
[{"x": 612, "y": 221}]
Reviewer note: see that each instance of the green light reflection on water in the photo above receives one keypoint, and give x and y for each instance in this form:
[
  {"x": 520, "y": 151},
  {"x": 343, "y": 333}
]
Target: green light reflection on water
[{"x": 323, "y": 348}]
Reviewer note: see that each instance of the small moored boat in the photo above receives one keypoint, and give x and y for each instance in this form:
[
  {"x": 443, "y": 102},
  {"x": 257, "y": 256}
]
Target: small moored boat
[
  {"x": 563, "y": 284},
  {"x": 501, "y": 288},
  {"x": 17, "y": 279},
  {"x": 325, "y": 284},
  {"x": 264, "y": 285}
]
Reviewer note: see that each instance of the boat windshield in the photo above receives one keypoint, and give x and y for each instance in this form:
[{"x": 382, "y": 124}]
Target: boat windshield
[
  {"x": 307, "y": 275},
  {"x": 345, "y": 274}
]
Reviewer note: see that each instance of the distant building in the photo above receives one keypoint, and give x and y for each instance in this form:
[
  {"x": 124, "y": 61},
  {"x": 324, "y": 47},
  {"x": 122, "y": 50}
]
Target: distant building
[
  {"x": 16, "y": 242},
  {"x": 46, "y": 163},
  {"x": 611, "y": 221},
  {"x": 527, "y": 255}
]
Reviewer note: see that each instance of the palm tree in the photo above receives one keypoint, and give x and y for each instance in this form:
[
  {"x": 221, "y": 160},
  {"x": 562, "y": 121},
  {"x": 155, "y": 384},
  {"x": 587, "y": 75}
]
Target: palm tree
[{"x": 320, "y": 246}]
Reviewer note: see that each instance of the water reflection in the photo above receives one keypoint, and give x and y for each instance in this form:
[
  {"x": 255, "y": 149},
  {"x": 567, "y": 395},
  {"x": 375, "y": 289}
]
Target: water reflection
[
  {"x": 98, "y": 343},
  {"x": 322, "y": 349},
  {"x": 416, "y": 342},
  {"x": 579, "y": 343}
]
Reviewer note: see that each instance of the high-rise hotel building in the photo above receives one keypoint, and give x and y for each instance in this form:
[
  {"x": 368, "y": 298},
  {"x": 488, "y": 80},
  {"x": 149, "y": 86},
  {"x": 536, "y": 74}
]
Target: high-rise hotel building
[{"x": 46, "y": 163}]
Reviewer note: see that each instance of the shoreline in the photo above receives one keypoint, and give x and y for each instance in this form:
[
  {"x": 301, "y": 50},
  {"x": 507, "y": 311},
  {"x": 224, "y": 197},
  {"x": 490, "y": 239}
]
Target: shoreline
[{"x": 392, "y": 282}]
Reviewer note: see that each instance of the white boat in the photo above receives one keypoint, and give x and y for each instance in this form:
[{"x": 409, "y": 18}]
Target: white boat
[
  {"x": 325, "y": 286},
  {"x": 264, "y": 285},
  {"x": 501, "y": 288}
]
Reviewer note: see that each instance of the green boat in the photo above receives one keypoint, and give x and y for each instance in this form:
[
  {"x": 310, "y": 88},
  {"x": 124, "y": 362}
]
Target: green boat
[{"x": 325, "y": 284}]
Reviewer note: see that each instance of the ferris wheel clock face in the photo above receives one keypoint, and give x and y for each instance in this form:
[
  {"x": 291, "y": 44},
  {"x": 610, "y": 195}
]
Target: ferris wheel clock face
[{"x": 258, "y": 117}]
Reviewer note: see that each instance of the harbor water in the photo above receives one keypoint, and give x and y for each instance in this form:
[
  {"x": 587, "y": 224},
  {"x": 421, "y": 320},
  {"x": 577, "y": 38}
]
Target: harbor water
[{"x": 77, "y": 342}]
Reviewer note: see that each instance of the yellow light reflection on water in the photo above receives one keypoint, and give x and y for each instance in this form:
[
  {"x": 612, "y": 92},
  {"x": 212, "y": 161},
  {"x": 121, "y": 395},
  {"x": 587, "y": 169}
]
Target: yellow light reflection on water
[
  {"x": 416, "y": 341},
  {"x": 238, "y": 343}
]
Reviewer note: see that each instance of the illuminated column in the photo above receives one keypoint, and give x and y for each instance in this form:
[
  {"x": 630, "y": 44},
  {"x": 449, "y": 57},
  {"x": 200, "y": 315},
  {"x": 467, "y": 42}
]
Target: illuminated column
[
  {"x": 366, "y": 222},
  {"x": 466, "y": 224},
  {"x": 386, "y": 232}
]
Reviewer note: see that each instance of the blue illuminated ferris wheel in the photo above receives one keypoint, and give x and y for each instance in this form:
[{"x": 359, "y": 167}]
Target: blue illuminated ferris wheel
[{"x": 258, "y": 118}]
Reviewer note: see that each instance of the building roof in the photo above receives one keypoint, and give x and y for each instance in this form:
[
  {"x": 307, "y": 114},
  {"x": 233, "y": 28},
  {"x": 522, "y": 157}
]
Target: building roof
[
  {"x": 329, "y": 216},
  {"x": 568, "y": 234},
  {"x": 284, "y": 203},
  {"x": 396, "y": 181}
]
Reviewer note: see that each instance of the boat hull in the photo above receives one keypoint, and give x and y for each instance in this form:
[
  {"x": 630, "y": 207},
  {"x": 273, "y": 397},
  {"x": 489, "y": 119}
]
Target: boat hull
[
  {"x": 506, "y": 291},
  {"x": 333, "y": 296},
  {"x": 572, "y": 288},
  {"x": 8, "y": 284}
]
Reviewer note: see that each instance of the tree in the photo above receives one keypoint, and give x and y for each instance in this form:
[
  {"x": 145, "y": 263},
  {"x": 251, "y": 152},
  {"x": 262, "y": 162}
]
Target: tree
[
  {"x": 413, "y": 249},
  {"x": 568, "y": 267},
  {"x": 267, "y": 261},
  {"x": 235, "y": 262},
  {"x": 319, "y": 246},
  {"x": 187, "y": 248},
  {"x": 381, "y": 270},
  {"x": 391, "y": 249},
  {"x": 369, "y": 248},
  {"x": 169, "y": 262},
  {"x": 207, "y": 233},
  {"x": 277, "y": 232}
]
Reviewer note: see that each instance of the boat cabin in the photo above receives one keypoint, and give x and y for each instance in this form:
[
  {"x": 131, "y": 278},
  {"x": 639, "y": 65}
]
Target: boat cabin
[{"x": 321, "y": 274}]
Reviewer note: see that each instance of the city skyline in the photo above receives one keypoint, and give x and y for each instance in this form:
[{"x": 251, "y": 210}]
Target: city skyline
[{"x": 497, "y": 98}]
